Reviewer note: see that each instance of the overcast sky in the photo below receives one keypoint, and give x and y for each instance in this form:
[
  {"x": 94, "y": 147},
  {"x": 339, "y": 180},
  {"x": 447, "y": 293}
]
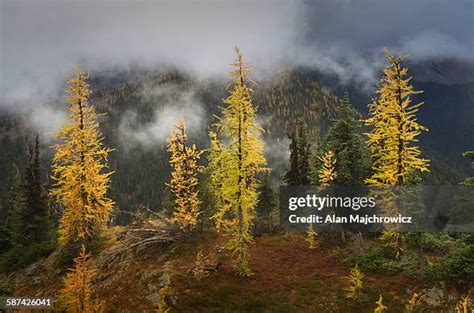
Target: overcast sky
[
  {"x": 424, "y": 27},
  {"x": 41, "y": 40}
]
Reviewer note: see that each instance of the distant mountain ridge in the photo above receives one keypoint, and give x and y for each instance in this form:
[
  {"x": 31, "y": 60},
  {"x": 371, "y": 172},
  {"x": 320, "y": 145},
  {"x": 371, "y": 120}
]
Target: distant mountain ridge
[
  {"x": 447, "y": 71},
  {"x": 448, "y": 94},
  {"x": 137, "y": 103}
]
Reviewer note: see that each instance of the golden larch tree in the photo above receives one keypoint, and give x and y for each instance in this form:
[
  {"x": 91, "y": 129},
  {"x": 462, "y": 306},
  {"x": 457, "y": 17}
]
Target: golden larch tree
[
  {"x": 184, "y": 182},
  {"x": 311, "y": 237},
  {"x": 80, "y": 169},
  {"x": 393, "y": 138},
  {"x": 463, "y": 305},
  {"x": 235, "y": 158},
  {"x": 392, "y": 117},
  {"x": 76, "y": 294},
  {"x": 327, "y": 173},
  {"x": 380, "y": 308},
  {"x": 411, "y": 305},
  {"x": 356, "y": 283}
]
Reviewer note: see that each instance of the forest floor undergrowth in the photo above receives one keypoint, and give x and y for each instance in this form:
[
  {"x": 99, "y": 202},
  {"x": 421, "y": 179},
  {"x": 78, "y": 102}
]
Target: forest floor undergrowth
[{"x": 287, "y": 277}]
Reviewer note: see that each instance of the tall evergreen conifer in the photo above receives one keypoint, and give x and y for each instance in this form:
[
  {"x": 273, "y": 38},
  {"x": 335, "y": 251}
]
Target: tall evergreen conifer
[
  {"x": 11, "y": 227},
  {"x": 298, "y": 173},
  {"x": 267, "y": 202},
  {"x": 345, "y": 143},
  {"x": 34, "y": 218}
]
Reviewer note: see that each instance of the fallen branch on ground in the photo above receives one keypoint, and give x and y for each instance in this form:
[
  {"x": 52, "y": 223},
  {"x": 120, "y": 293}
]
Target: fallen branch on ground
[{"x": 165, "y": 238}]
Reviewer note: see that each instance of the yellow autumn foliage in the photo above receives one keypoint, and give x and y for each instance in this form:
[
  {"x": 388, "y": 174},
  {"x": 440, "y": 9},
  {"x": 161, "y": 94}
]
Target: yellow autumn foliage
[
  {"x": 184, "y": 183},
  {"x": 235, "y": 157},
  {"x": 327, "y": 173},
  {"x": 463, "y": 305},
  {"x": 356, "y": 283},
  {"x": 395, "y": 129},
  {"x": 76, "y": 295},
  {"x": 411, "y": 304},
  {"x": 311, "y": 237},
  {"x": 380, "y": 307},
  {"x": 80, "y": 170},
  {"x": 393, "y": 240}
]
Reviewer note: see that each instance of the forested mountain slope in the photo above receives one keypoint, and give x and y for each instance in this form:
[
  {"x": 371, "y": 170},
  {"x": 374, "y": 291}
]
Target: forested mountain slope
[
  {"x": 448, "y": 109},
  {"x": 140, "y": 109}
]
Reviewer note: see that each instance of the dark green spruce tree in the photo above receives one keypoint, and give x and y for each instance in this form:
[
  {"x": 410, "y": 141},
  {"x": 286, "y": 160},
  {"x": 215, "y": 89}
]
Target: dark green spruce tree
[
  {"x": 304, "y": 152},
  {"x": 267, "y": 204},
  {"x": 9, "y": 228},
  {"x": 28, "y": 222},
  {"x": 33, "y": 225},
  {"x": 300, "y": 152},
  {"x": 345, "y": 142},
  {"x": 291, "y": 177},
  {"x": 351, "y": 163}
]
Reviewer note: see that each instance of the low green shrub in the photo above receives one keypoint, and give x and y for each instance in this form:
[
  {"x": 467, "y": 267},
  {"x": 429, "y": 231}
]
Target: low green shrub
[
  {"x": 19, "y": 257},
  {"x": 456, "y": 268}
]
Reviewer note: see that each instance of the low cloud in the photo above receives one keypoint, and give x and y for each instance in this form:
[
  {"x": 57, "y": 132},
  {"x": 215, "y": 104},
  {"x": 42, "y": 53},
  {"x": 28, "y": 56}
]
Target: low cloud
[
  {"x": 434, "y": 44},
  {"x": 344, "y": 63},
  {"x": 41, "y": 41},
  {"x": 47, "y": 121},
  {"x": 171, "y": 103}
]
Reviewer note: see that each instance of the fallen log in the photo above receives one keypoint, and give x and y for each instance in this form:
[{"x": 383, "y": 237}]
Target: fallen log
[
  {"x": 141, "y": 243},
  {"x": 146, "y": 230}
]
